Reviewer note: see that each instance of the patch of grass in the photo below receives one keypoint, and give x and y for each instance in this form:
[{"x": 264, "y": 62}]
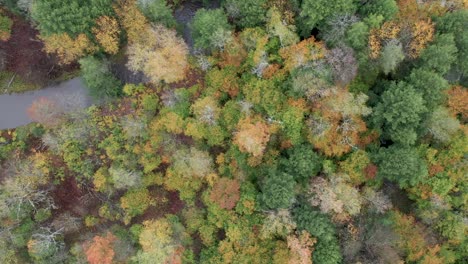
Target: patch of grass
[
  {"x": 11, "y": 83},
  {"x": 68, "y": 76}
]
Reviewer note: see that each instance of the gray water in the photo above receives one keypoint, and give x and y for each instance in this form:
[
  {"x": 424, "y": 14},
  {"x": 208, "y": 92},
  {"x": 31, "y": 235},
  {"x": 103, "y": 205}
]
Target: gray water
[{"x": 13, "y": 107}]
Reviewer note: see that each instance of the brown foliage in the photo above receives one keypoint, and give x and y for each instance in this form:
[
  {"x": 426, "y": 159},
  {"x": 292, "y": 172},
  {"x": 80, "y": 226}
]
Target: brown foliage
[
  {"x": 226, "y": 193},
  {"x": 458, "y": 101},
  {"x": 100, "y": 250},
  {"x": 301, "y": 248},
  {"x": 301, "y": 53},
  {"x": 252, "y": 136}
]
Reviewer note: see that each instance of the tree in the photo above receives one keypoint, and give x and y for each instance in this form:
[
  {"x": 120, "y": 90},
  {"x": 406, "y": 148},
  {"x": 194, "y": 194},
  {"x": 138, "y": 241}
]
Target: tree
[
  {"x": 45, "y": 244},
  {"x": 73, "y": 17},
  {"x": 454, "y": 22},
  {"x": 440, "y": 55},
  {"x": 132, "y": 20},
  {"x": 458, "y": 101},
  {"x": 158, "y": 11},
  {"x": 135, "y": 202},
  {"x": 452, "y": 226},
  {"x": 314, "y": 12},
  {"x": 334, "y": 29},
  {"x": 343, "y": 64},
  {"x": 430, "y": 84},
  {"x": 336, "y": 122},
  {"x": 107, "y": 34},
  {"x": 246, "y": 13},
  {"x": 358, "y": 35},
  {"x": 123, "y": 178},
  {"x": 386, "y": 8},
  {"x": 225, "y": 193},
  {"x": 303, "y": 53},
  {"x": 441, "y": 125},
  {"x": 159, "y": 54},
  {"x": 327, "y": 249},
  {"x": 278, "y": 223},
  {"x": 211, "y": 29},
  {"x": 158, "y": 242},
  {"x": 68, "y": 49},
  {"x": 422, "y": 33},
  {"x": 190, "y": 168},
  {"x": 301, "y": 248},
  {"x": 278, "y": 190},
  {"x": 335, "y": 195},
  {"x": 252, "y": 136},
  {"x": 302, "y": 162},
  {"x": 98, "y": 78},
  {"x": 392, "y": 54},
  {"x": 100, "y": 250},
  {"x": 5, "y": 27},
  {"x": 402, "y": 165},
  {"x": 399, "y": 112},
  {"x": 276, "y": 27},
  {"x": 206, "y": 110}
]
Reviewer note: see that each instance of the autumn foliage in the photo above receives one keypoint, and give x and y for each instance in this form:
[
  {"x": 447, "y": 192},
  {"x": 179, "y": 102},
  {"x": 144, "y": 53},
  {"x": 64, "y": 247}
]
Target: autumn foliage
[
  {"x": 252, "y": 136},
  {"x": 100, "y": 249},
  {"x": 107, "y": 34},
  {"x": 458, "y": 101},
  {"x": 68, "y": 49},
  {"x": 226, "y": 193}
]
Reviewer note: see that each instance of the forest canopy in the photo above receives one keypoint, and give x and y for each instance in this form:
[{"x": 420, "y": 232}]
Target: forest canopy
[{"x": 237, "y": 131}]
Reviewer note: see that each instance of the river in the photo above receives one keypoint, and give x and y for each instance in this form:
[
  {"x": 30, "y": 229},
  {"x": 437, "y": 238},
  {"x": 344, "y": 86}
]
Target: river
[{"x": 13, "y": 107}]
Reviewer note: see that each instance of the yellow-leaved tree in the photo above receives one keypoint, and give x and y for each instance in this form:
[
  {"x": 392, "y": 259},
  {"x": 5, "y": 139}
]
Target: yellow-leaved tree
[
  {"x": 107, "y": 34},
  {"x": 159, "y": 54},
  {"x": 68, "y": 49}
]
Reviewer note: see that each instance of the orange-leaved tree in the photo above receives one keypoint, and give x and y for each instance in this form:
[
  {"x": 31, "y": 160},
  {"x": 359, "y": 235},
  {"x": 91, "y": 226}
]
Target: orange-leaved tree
[{"x": 100, "y": 249}]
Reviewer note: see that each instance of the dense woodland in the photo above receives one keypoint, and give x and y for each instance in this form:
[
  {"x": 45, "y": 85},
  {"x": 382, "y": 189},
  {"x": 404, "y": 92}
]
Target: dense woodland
[{"x": 292, "y": 131}]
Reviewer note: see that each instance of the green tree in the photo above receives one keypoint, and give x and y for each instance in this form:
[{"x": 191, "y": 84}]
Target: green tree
[
  {"x": 452, "y": 226},
  {"x": 315, "y": 12},
  {"x": 392, "y": 54},
  {"x": 327, "y": 250},
  {"x": 211, "y": 29},
  {"x": 357, "y": 35},
  {"x": 455, "y": 23},
  {"x": 157, "y": 11},
  {"x": 278, "y": 190},
  {"x": 386, "y": 8},
  {"x": 246, "y": 13},
  {"x": 441, "y": 125},
  {"x": 98, "y": 78},
  {"x": 440, "y": 55},
  {"x": 402, "y": 165},
  {"x": 5, "y": 27},
  {"x": 399, "y": 113},
  {"x": 430, "y": 84},
  {"x": 302, "y": 162},
  {"x": 72, "y": 17}
]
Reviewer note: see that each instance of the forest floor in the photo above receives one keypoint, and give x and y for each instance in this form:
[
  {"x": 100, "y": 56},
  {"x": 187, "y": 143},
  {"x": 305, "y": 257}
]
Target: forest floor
[{"x": 24, "y": 65}]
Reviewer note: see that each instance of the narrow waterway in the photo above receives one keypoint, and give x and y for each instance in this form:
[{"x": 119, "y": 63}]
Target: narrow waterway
[{"x": 13, "y": 107}]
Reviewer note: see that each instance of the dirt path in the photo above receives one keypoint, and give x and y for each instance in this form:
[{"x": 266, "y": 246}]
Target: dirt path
[{"x": 13, "y": 107}]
